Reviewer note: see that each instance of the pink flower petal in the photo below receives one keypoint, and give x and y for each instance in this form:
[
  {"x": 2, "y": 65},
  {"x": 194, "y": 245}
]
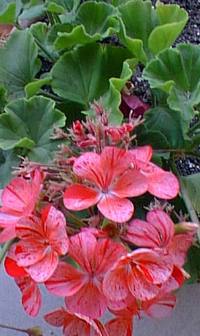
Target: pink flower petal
[
  {"x": 56, "y": 318},
  {"x": 75, "y": 324},
  {"x": 28, "y": 254},
  {"x": 174, "y": 282},
  {"x": 151, "y": 265},
  {"x": 106, "y": 254},
  {"x": 140, "y": 288},
  {"x": 114, "y": 162},
  {"x": 83, "y": 250},
  {"x": 66, "y": 280},
  {"x": 115, "y": 284},
  {"x": 7, "y": 234},
  {"x": 140, "y": 233},
  {"x": 132, "y": 183},
  {"x": 20, "y": 195},
  {"x": 89, "y": 301},
  {"x": 161, "y": 222},
  {"x": 179, "y": 247},
  {"x": 120, "y": 326},
  {"x": 158, "y": 231},
  {"x": 55, "y": 229},
  {"x": 162, "y": 307},
  {"x": 43, "y": 269},
  {"x": 143, "y": 153},
  {"x": 116, "y": 209},
  {"x": 88, "y": 167},
  {"x": 31, "y": 296},
  {"x": 79, "y": 197},
  {"x": 29, "y": 229},
  {"x": 161, "y": 184}
]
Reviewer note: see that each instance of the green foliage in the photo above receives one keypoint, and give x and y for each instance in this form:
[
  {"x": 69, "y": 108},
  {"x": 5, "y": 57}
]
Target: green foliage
[
  {"x": 83, "y": 75},
  {"x": 7, "y": 11},
  {"x": 177, "y": 72},
  {"x": 8, "y": 161},
  {"x": 19, "y": 63},
  {"x": 192, "y": 185},
  {"x": 94, "y": 22},
  {"x": 162, "y": 126},
  {"x": 193, "y": 264},
  {"x": 146, "y": 31},
  {"x": 29, "y": 124}
]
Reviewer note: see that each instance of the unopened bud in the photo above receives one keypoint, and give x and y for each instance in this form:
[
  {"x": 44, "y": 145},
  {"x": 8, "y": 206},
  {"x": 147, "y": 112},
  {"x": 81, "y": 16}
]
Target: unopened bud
[
  {"x": 35, "y": 331},
  {"x": 186, "y": 227}
]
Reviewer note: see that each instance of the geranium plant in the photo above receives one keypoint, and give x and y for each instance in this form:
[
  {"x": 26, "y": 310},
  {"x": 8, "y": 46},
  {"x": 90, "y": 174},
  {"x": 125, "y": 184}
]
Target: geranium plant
[{"x": 98, "y": 211}]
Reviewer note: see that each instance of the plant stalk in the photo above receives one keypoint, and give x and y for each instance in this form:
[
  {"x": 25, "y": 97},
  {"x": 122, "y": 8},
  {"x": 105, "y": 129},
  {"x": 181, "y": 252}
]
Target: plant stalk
[
  {"x": 4, "y": 326},
  {"x": 4, "y": 249}
]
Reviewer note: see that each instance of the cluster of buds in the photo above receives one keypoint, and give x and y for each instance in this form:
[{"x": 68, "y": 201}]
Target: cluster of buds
[{"x": 98, "y": 132}]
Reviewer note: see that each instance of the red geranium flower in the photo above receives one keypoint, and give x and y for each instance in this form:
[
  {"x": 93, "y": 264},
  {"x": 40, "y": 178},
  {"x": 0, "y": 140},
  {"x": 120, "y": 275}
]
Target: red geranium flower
[
  {"x": 158, "y": 232},
  {"x": 18, "y": 200},
  {"x": 42, "y": 241},
  {"x": 140, "y": 273},
  {"x": 112, "y": 179},
  {"x": 75, "y": 324},
  {"x": 83, "y": 287}
]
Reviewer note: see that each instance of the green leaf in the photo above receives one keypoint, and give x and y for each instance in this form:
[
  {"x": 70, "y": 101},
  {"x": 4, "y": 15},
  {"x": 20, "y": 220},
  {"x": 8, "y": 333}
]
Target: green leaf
[
  {"x": 154, "y": 138},
  {"x": 43, "y": 36},
  {"x": 168, "y": 123},
  {"x": 33, "y": 88},
  {"x": 172, "y": 19},
  {"x": 29, "y": 124},
  {"x": 19, "y": 63},
  {"x": 146, "y": 30},
  {"x": 7, "y": 11},
  {"x": 192, "y": 184},
  {"x": 177, "y": 72},
  {"x": 193, "y": 264},
  {"x": 83, "y": 75},
  {"x": 67, "y": 8},
  {"x": 3, "y": 98},
  {"x": 8, "y": 160},
  {"x": 33, "y": 11},
  {"x": 95, "y": 21},
  {"x": 112, "y": 98}
]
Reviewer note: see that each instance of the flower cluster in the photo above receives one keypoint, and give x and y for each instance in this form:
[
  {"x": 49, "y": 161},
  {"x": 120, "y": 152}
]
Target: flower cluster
[{"x": 87, "y": 245}]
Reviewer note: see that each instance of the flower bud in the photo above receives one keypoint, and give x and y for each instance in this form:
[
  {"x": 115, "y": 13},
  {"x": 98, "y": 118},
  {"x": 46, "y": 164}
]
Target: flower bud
[{"x": 186, "y": 227}]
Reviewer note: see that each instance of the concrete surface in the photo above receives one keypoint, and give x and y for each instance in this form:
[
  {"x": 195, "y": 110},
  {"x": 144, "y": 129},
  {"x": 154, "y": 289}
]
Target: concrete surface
[{"x": 184, "y": 321}]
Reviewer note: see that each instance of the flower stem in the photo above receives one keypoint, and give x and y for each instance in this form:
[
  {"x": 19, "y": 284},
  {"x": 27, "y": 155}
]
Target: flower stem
[
  {"x": 4, "y": 249},
  {"x": 4, "y": 326}
]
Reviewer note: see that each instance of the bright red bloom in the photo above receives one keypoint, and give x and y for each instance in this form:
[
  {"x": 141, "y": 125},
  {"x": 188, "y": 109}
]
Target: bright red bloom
[
  {"x": 42, "y": 241},
  {"x": 31, "y": 296},
  {"x": 158, "y": 232},
  {"x": 161, "y": 184},
  {"x": 112, "y": 180},
  {"x": 140, "y": 273},
  {"x": 18, "y": 200},
  {"x": 75, "y": 324},
  {"x": 83, "y": 287}
]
